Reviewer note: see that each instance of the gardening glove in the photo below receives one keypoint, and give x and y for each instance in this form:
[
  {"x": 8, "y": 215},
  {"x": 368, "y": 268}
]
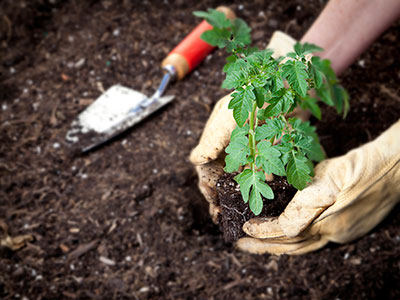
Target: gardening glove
[
  {"x": 208, "y": 156},
  {"x": 348, "y": 196}
]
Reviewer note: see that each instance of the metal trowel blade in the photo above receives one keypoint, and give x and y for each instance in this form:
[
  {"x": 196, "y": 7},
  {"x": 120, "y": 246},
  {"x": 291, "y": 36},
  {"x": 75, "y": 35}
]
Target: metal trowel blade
[{"x": 116, "y": 110}]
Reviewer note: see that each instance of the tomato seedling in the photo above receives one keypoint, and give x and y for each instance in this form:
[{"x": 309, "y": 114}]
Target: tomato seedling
[{"x": 265, "y": 91}]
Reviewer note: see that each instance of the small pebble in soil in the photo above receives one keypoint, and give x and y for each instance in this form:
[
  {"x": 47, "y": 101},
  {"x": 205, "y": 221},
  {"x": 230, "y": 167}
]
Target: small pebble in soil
[{"x": 116, "y": 32}]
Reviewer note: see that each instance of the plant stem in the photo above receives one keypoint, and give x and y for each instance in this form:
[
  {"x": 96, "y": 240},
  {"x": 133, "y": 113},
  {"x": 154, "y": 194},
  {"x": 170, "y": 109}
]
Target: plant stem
[{"x": 252, "y": 139}]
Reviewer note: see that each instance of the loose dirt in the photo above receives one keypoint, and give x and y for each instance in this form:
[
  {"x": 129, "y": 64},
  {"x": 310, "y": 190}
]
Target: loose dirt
[{"x": 127, "y": 221}]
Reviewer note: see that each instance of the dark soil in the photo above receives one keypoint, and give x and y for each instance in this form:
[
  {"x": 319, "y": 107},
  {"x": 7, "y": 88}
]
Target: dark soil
[
  {"x": 127, "y": 221},
  {"x": 234, "y": 212}
]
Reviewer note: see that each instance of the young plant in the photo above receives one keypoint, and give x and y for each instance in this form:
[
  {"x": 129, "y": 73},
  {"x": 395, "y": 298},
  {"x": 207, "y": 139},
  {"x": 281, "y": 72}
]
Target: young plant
[{"x": 265, "y": 91}]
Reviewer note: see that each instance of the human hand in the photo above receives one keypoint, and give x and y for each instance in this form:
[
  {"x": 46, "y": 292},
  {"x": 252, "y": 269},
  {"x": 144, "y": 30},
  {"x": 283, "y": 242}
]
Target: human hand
[{"x": 348, "y": 196}]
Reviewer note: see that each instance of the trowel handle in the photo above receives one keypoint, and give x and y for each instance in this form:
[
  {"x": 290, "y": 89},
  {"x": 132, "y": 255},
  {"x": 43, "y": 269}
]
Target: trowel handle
[{"x": 192, "y": 50}]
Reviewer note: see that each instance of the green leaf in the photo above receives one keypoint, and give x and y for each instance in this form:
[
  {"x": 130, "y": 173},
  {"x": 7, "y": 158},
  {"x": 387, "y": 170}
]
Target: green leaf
[
  {"x": 241, "y": 32},
  {"x": 304, "y": 128},
  {"x": 286, "y": 97},
  {"x": 253, "y": 183},
  {"x": 325, "y": 67},
  {"x": 216, "y": 37},
  {"x": 298, "y": 49},
  {"x": 311, "y": 148},
  {"x": 311, "y": 167},
  {"x": 274, "y": 108},
  {"x": 292, "y": 55},
  {"x": 310, "y": 48},
  {"x": 311, "y": 104},
  {"x": 260, "y": 96},
  {"x": 241, "y": 104},
  {"x": 324, "y": 94},
  {"x": 271, "y": 128},
  {"x": 234, "y": 79},
  {"x": 297, "y": 170},
  {"x": 317, "y": 75},
  {"x": 268, "y": 159},
  {"x": 341, "y": 99},
  {"x": 230, "y": 61},
  {"x": 285, "y": 149},
  {"x": 262, "y": 57},
  {"x": 296, "y": 75},
  {"x": 238, "y": 149},
  {"x": 277, "y": 82},
  {"x": 214, "y": 18}
]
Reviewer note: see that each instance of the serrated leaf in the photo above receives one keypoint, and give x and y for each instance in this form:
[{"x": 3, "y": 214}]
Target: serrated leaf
[
  {"x": 311, "y": 104},
  {"x": 298, "y": 49},
  {"x": 253, "y": 183},
  {"x": 310, "y": 48},
  {"x": 261, "y": 115},
  {"x": 285, "y": 149},
  {"x": 241, "y": 104},
  {"x": 216, "y": 37},
  {"x": 271, "y": 128},
  {"x": 274, "y": 108},
  {"x": 268, "y": 159},
  {"x": 237, "y": 150},
  {"x": 241, "y": 32},
  {"x": 262, "y": 57},
  {"x": 214, "y": 18},
  {"x": 277, "y": 82},
  {"x": 230, "y": 60},
  {"x": 317, "y": 75},
  {"x": 250, "y": 50},
  {"x": 234, "y": 79},
  {"x": 292, "y": 55},
  {"x": 239, "y": 132},
  {"x": 311, "y": 148},
  {"x": 287, "y": 99},
  {"x": 325, "y": 67},
  {"x": 325, "y": 95},
  {"x": 296, "y": 75},
  {"x": 297, "y": 170},
  {"x": 304, "y": 128},
  {"x": 260, "y": 96}
]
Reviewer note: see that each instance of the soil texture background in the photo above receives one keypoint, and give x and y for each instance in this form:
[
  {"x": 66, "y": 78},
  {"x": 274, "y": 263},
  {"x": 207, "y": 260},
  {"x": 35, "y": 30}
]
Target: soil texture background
[{"x": 127, "y": 221}]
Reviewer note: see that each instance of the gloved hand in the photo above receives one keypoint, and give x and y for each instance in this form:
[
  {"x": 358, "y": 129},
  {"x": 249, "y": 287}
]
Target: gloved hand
[
  {"x": 348, "y": 196},
  {"x": 209, "y": 155}
]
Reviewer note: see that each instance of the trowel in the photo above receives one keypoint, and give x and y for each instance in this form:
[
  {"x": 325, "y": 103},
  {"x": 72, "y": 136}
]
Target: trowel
[{"x": 119, "y": 108}]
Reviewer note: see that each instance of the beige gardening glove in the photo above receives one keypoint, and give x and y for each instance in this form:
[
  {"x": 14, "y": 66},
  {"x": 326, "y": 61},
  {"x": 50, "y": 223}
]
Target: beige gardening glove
[
  {"x": 348, "y": 196},
  {"x": 209, "y": 155}
]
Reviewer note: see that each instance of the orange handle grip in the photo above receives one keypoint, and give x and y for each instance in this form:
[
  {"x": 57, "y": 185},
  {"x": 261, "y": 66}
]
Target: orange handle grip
[{"x": 192, "y": 50}]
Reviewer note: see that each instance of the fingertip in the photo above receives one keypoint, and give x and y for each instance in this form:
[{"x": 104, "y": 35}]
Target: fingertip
[
  {"x": 200, "y": 156},
  {"x": 263, "y": 228}
]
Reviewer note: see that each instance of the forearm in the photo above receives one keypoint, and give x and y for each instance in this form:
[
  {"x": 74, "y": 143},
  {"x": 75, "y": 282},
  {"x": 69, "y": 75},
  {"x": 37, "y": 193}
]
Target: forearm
[{"x": 346, "y": 28}]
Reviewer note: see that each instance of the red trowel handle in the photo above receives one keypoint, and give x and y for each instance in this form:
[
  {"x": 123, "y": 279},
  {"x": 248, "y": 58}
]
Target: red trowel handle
[{"x": 192, "y": 50}]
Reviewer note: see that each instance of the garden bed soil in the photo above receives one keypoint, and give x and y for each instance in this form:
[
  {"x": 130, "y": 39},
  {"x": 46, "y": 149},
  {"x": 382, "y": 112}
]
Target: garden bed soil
[{"x": 127, "y": 221}]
